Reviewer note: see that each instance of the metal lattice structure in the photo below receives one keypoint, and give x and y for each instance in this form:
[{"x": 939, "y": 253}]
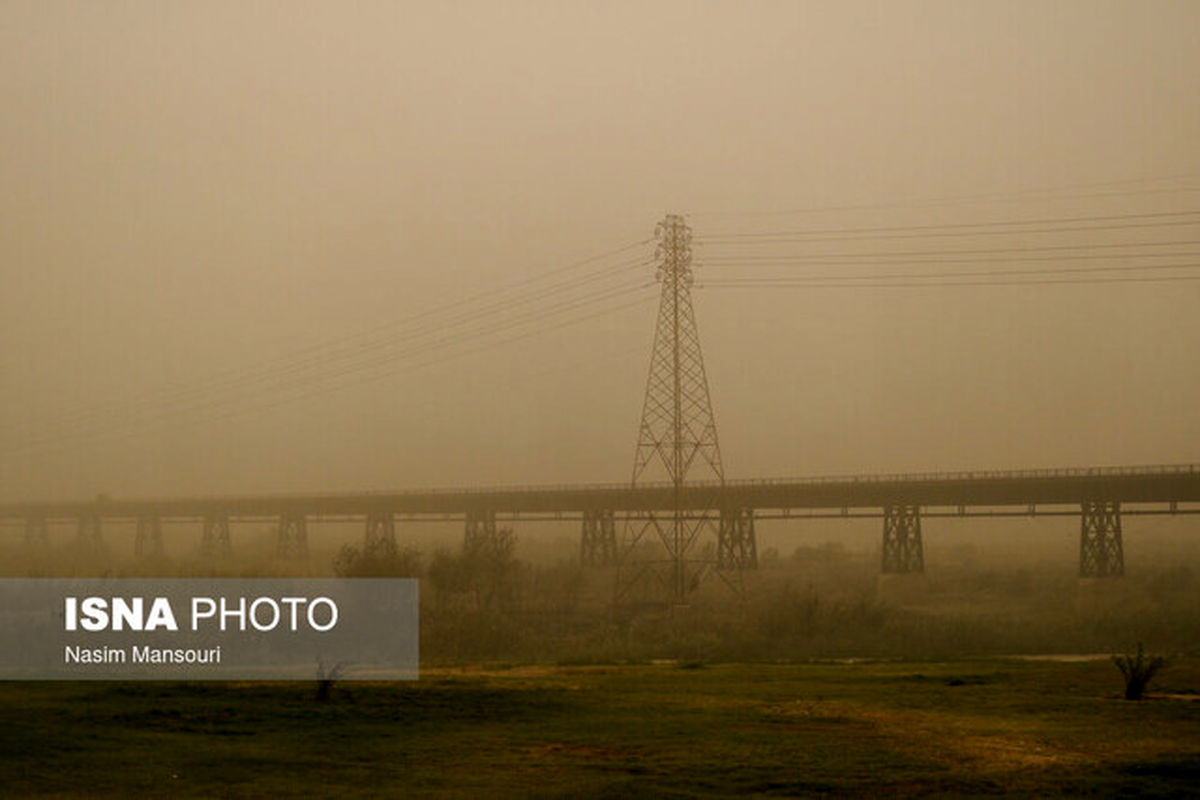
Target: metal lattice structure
[
  {"x": 677, "y": 427},
  {"x": 87, "y": 532},
  {"x": 598, "y": 543},
  {"x": 148, "y": 541},
  {"x": 677, "y": 437},
  {"x": 483, "y": 539},
  {"x": 480, "y": 531},
  {"x": 1101, "y": 551},
  {"x": 37, "y": 533},
  {"x": 737, "y": 547},
  {"x": 381, "y": 532},
  {"x": 292, "y": 541},
  {"x": 214, "y": 539},
  {"x": 903, "y": 551}
]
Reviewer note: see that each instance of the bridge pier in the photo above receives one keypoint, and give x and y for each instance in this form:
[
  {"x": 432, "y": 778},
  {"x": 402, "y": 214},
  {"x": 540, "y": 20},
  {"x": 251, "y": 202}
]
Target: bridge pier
[
  {"x": 88, "y": 531},
  {"x": 903, "y": 551},
  {"x": 598, "y": 545},
  {"x": 215, "y": 538},
  {"x": 37, "y": 535},
  {"x": 1101, "y": 551},
  {"x": 381, "y": 532},
  {"x": 292, "y": 540},
  {"x": 737, "y": 546},
  {"x": 148, "y": 540},
  {"x": 480, "y": 530}
]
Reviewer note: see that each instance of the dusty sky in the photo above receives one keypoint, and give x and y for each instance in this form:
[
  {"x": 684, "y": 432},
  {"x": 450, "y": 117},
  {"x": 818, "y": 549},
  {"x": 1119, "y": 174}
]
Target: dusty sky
[{"x": 220, "y": 221}]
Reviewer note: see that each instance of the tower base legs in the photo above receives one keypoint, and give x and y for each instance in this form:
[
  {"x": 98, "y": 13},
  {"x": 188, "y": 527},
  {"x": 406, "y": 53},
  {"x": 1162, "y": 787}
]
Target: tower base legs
[
  {"x": 598, "y": 545},
  {"x": 737, "y": 546},
  {"x": 381, "y": 533},
  {"x": 149, "y": 541},
  {"x": 1101, "y": 550},
  {"x": 903, "y": 550},
  {"x": 214, "y": 541},
  {"x": 292, "y": 540}
]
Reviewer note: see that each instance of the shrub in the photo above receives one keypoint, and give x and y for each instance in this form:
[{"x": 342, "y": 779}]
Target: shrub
[
  {"x": 1138, "y": 671},
  {"x": 380, "y": 559}
]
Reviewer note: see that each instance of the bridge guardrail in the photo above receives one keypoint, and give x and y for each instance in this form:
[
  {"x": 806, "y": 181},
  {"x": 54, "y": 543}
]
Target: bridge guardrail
[{"x": 897, "y": 477}]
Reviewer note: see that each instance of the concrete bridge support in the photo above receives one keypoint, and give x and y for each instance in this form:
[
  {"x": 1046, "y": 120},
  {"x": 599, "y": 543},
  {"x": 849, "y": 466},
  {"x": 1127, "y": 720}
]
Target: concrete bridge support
[
  {"x": 37, "y": 535},
  {"x": 598, "y": 547},
  {"x": 381, "y": 532},
  {"x": 1101, "y": 551},
  {"x": 292, "y": 539},
  {"x": 737, "y": 545},
  {"x": 903, "y": 551},
  {"x": 214, "y": 541},
  {"x": 148, "y": 541}
]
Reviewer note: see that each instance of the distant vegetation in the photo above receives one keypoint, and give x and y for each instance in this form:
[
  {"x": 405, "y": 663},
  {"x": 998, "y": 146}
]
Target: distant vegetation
[
  {"x": 378, "y": 560},
  {"x": 814, "y": 602}
]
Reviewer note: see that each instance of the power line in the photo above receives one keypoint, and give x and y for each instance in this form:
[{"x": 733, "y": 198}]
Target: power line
[
  {"x": 466, "y": 317},
  {"x": 308, "y": 390},
  {"x": 1005, "y": 228},
  {"x": 785, "y": 260},
  {"x": 435, "y": 361},
  {"x": 794, "y": 284},
  {"x": 474, "y": 329},
  {"x": 321, "y": 355},
  {"x": 963, "y": 274},
  {"x": 847, "y": 258},
  {"x": 800, "y": 257},
  {"x": 555, "y": 298}
]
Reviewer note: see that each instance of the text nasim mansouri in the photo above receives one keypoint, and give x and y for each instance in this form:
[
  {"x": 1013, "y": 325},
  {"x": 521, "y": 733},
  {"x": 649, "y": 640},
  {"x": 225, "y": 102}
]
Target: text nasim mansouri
[{"x": 145, "y": 654}]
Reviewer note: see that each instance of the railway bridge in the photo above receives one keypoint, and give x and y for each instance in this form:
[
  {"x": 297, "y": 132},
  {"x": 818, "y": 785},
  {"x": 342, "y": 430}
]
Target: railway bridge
[{"x": 1099, "y": 497}]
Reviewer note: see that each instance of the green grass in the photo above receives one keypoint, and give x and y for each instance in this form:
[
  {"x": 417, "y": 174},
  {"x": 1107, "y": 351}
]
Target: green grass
[{"x": 884, "y": 729}]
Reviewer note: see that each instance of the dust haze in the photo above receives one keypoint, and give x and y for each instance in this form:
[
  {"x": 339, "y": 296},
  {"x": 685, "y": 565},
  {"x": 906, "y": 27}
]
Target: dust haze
[
  {"x": 299, "y": 248},
  {"x": 199, "y": 195},
  {"x": 329, "y": 252}
]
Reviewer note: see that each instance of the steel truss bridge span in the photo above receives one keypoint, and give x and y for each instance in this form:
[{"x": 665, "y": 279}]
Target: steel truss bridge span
[
  {"x": 1100, "y": 496},
  {"x": 973, "y": 493}
]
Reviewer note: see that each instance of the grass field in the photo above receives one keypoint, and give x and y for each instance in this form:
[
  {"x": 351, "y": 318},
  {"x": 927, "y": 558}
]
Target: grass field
[{"x": 1033, "y": 728}]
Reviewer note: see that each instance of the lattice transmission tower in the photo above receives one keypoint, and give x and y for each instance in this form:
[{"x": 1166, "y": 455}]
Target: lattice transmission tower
[{"x": 677, "y": 438}]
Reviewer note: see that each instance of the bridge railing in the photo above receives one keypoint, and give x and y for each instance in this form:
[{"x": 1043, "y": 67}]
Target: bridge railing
[
  {"x": 895, "y": 477},
  {"x": 976, "y": 475}
]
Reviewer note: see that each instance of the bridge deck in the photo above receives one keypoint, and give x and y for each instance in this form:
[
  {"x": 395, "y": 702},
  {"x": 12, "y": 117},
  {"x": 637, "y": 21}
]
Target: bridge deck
[{"x": 1152, "y": 484}]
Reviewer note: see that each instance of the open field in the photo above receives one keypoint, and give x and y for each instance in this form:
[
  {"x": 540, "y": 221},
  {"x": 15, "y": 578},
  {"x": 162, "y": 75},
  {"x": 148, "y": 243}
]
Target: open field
[
  {"x": 1032, "y": 728},
  {"x": 752, "y": 698}
]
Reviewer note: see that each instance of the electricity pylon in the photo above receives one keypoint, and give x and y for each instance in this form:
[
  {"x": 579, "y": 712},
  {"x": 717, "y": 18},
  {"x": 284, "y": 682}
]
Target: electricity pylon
[{"x": 677, "y": 437}]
